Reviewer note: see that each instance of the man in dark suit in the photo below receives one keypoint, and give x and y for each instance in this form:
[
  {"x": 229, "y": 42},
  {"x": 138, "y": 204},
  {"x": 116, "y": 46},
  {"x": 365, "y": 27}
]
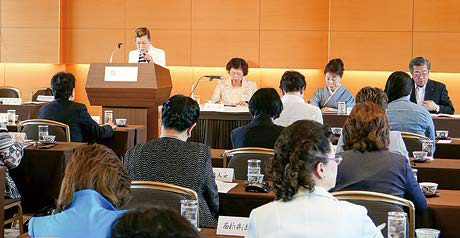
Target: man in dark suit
[
  {"x": 426, "y": 92},
  {"x": 82, "y": 127},
  {"x": 265, "y": 105}
]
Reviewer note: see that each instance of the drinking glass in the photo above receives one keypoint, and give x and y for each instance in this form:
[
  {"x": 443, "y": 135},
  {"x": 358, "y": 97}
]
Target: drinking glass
[
  {"x": 42, "y": 132},
  {"x": 253, "y": 166},
  {"x": 427, "y": 145},
  {"x": 108, "y": 116},
  {"x": 255, "y": 178},
  {"x": 189, "y": 209},
  {"x": 427, "y": 233},
  {"x": 342, "y": 108},
  {"x": 397, "y": 224},
  {"x": 11, "y": 116}
]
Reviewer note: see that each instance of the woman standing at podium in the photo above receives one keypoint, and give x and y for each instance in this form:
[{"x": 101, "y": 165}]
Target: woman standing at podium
[
  {"x": 235, "y": 90},
  {"x": 145, "y": 52}
]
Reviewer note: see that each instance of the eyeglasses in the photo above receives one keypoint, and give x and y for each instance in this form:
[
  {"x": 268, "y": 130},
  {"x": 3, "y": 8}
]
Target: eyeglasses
[
  {"x": 418, "y": 73},
  {"x": 338, "y": 159},
  {"x": 239, "y": 74}
]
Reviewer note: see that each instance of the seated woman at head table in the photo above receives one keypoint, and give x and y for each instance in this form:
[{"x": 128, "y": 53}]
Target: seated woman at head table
[
  {"x": 236, "y": 90},
  {"x": 327, "y": 98}
]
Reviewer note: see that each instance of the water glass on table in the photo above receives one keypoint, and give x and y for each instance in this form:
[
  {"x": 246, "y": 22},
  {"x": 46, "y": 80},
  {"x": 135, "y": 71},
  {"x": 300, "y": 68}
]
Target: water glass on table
[
  {"x": 397, "y": 224},
  {"x": 11, "y": 116},
  {"x": 254, "y": 166},
  {"x": 108, "y": 116},
  {"x": 428, "y": 145},
  {"x": 42, "y": 132},
  {"x": 427, "y": 233},
  {"x": 189, "y": 209}
]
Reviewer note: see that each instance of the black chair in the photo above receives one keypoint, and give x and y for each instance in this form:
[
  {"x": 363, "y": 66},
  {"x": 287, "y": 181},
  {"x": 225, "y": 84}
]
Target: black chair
[
  {"x": 157, "y": 193},
  {"x": 413, "y": 141},
  {"x": 40, "y": 92},
  {"x": 378, "y": 205},
  {"x": 10, "y": 92},
  {"x": 58, "y": 129},
  {"x": 238, "y": 160}
]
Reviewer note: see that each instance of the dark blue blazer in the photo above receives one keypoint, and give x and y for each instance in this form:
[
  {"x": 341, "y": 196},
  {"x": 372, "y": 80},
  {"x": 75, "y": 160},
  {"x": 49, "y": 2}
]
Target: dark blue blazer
[
  {"x": 379, "y": 171},
  {"x": 436, "y": 92},
  {"x": 261, "y": 132},
  {"x": 82, "y": 127}
]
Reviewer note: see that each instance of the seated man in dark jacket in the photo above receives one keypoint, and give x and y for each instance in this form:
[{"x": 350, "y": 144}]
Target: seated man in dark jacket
[
  {"x": 82, "y": 127},
  {"x": 265, "y": 105}
]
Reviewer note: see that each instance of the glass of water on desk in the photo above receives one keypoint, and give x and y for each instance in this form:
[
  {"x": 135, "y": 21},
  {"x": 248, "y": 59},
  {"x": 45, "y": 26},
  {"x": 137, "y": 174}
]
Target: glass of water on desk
[
  {"x": 42, "y": 132},
  {"x": 189, "y": 209},
  {"x": 254, "y": 166},
  {"x": 428, "y": 145},
  {"x": 397, "y": 224}
]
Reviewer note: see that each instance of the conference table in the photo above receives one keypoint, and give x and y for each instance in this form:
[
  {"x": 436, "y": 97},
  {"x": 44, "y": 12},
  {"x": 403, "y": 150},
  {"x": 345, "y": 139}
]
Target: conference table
[
  {"x": 24, "y": 111},
  {"x": 214, "y": 127},
  {"x": 448, "y": 150}
]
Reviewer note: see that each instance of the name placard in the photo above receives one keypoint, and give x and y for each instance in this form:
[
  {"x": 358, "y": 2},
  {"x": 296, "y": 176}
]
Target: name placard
[
  {"x": 120, "y": 74},
  {"x": 12, "y": 101},
  {"x": 43, "y": 98},
  {"x": 232, "y": 226},
  {"x": 224, "y": 174},
  {"x": 213, "y": 107}
]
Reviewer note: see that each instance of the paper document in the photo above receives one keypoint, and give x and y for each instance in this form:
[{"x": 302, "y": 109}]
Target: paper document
[
  {"x": 223, "y": 187},
  {"x": 444, "y": 141}
]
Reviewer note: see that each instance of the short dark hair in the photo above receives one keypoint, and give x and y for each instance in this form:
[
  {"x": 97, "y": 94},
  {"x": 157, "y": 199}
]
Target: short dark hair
[
  {"x": 266, "y": 101},
  {"x": 142, "y": 31},
  {"x": 419, "y": 61},
  {"x": 335, "y": 66},
  {"x": 292, "y": 81},
  {"x": 298, "y": 149},
  {"x": 398, "y": 85},
  {"x": 62, "y": 85},
  {"x": 153, "y": 222},
  {"x": 374, "y": 95},
  {"x": 366, "y": 128},
  {"x": 238, "y": 63},
  {"x": 180, "y": 112}
]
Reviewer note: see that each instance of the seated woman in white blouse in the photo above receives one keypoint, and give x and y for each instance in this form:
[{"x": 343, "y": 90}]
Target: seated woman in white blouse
[{"x": 235, "y": 90}]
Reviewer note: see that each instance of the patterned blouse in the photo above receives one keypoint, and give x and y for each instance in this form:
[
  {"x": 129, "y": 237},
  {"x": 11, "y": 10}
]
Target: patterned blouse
[
  {"x": 186, "y": 164},
  {"x": 10, "y": 156}
]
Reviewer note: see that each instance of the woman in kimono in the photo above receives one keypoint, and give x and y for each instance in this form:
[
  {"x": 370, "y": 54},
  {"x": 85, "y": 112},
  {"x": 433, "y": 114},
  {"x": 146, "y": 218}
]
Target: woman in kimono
[{"x": 334, "y": 92}]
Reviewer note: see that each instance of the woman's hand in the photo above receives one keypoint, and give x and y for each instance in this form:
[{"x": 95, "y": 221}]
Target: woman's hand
[
  {"x": 326, "y": 109},
  {"x": 241, "y": 104}
]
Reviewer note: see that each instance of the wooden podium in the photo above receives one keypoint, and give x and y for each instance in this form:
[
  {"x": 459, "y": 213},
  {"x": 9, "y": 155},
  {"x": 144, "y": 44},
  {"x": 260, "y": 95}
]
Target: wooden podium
[{"x": 136, "y": 101}]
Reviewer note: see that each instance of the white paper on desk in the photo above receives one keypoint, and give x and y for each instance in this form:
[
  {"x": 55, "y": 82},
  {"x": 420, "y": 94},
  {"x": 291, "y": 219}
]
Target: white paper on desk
[
  {"x": 223, "y": 187},
  {"x": 224, "y": 174},
  {"x": 444, "y": 141},
  {"x": 232, "y": 226}
]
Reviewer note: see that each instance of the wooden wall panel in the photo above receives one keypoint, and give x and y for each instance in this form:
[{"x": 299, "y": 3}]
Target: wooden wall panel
[
  {"x": 93, "y": 14},
  {"x": 442, "y": 49},
  {"x": 29, "y": 13},
  {"x": 25, "y": 45},
  {"x": 293, "y": 49},
  {"x": 364, "y": 15},
  {"x": 171, "y": 14},
  {"x": 435, "y": 15},
  {"x": 30, "y": 76},
  {"x": 225, "y": 15},
  {"x": 84, "y": 46},
  {"x": 379, "y": 51},
  {"x": 294, "y": 15},
  {"x": 175, "y": 43},
  {"x": 216, "y": 48},
  {"x": 2, "y": 74}
]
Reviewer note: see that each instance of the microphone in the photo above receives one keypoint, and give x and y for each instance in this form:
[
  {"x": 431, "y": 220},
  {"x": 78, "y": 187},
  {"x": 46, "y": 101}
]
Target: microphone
[
  {"x": 211, "y": 77},
  {"x": 119, "y": 45}
]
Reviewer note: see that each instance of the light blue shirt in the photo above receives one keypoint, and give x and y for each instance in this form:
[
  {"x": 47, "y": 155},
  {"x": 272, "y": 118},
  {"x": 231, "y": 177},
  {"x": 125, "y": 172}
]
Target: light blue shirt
[
  {"x": 396, "y": 144},
  {"x": 89, "y": 215},
  {"x": 404, "y": 115}
]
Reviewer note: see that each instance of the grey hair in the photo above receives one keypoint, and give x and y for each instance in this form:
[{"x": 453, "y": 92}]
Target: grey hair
[{"x": 419, "y": 61}]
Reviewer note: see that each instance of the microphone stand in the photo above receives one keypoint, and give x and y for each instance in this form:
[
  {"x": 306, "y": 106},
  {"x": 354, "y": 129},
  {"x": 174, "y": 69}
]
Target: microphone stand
[
  {"x": 195, "y": 84},
  {"x": 116, "y": 49}
]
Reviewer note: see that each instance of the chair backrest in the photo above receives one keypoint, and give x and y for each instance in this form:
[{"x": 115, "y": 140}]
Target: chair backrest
[
  {"x": 10, "y": 92},
  {"x": 413, "y": 141},
  {"x": 238, "y": 160},
  {"x": 2, "y": 195},
  {"x": 58, "y": 129},
  {"x": 157, "y": 193},
  {"x": 378, "y": 205},
  {"x": 40, "y": 91}
]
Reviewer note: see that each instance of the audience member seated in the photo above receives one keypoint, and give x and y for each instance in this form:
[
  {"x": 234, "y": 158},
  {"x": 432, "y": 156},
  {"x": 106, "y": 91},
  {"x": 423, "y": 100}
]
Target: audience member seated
[
  {"x": 328, "y": 97},
  {"x": 171, "y": 159},
  {"x": 428, "y": 93},
  {"x": 368, "y": 165},
  {"x": 11, "y": 153},
  {"x": 264, "y": 106},
  {"x": 235, "y": 90},
  {"x": 303, "y": 169},
  {"x": 82, "y": 127},
  {"x": 292, "y": 86},
  {"x": 95, "y": 184},
  {"x": 153, "y": 222},
  {"x": 404, "y": 115},
  {"x": 379, "y": 97}
]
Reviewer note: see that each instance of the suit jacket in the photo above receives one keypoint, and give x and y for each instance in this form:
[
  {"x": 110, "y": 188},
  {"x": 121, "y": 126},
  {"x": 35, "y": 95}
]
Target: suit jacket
[
  {"x": 379, "y": 171},
  {"x": 436, "y": 92},
  {"x": 82, "y": 127},
  {"x": 261, "y": 132}
]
